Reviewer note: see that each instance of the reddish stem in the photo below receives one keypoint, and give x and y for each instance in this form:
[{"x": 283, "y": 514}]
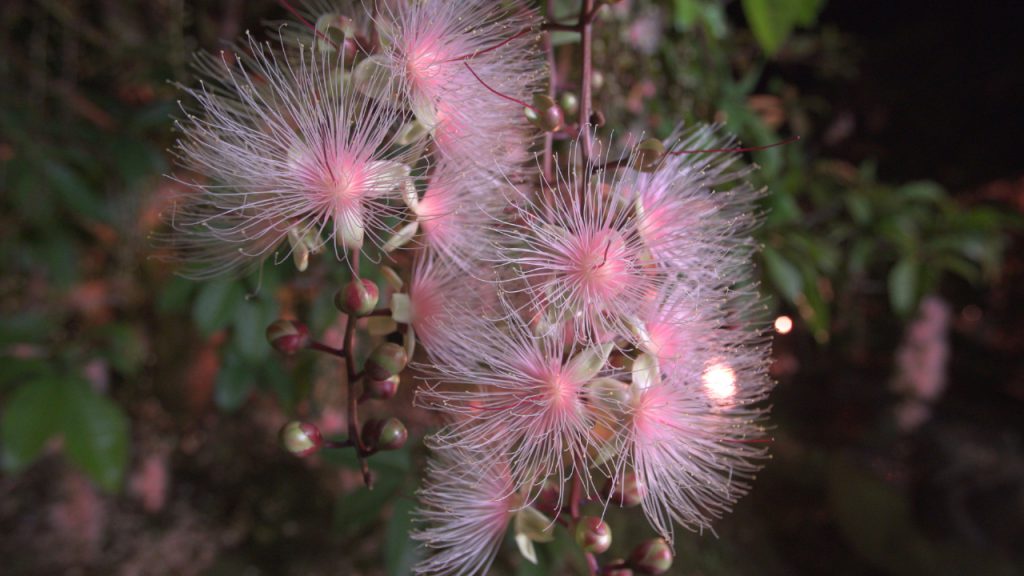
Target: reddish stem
[
  {"x": 472, "y": 55},
  {"x": 586, "y": 74},
  {"x": 496, "y": 93},
  {"x": 321, "y": 347}
]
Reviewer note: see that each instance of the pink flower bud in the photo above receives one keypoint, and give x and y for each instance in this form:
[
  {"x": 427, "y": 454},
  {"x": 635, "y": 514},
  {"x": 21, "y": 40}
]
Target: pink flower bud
[
  {"x": 652, "y": 557},
  {"x": 385, "y": 361},
  {"x": 545, "y": 114},
  {"x": 288, "y": 336},
  {"x": 593, "y": 534},
  {"x": 301, "y": 438},
  {"x": 626, "y": 491},
  {"x": 358, "y": 297}
]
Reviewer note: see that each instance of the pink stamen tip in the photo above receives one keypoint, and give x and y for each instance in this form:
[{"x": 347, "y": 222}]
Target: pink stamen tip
[{"x": 750, "y": 149}]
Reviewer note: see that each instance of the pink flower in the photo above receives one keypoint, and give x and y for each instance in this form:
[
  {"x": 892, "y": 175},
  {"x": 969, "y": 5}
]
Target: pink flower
[
  {"x": 434, "y": 45},
  {"x": 467, "y": 504},
  {"x": 695, "y": 444},
  {"x": 514, "y": 395},
  {"x": 290, "y": 154}
]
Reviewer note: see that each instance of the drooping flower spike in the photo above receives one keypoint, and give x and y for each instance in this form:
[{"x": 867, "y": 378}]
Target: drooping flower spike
[
  {"x": 465, "y": 507},
  {"x": 287, "y": 151},
  {"x": 522, "y": 397},
  {"x": 451, "y": 56}
]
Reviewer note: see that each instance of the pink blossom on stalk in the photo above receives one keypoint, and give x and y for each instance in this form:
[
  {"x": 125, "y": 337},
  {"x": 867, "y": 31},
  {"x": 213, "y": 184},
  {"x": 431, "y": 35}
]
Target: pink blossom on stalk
[
  {"x": 437, "y": 46},
  {"x": 693, "y": 448},
  {"x": 457, "y": 213},
  {"x": 514, "y": 395},
  {"x": 290, "y": 153},
  {"x": 466, "y": 505}
]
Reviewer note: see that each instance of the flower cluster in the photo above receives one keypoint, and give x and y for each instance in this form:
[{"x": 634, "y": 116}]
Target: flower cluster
[{"x": 593, "y": 334}]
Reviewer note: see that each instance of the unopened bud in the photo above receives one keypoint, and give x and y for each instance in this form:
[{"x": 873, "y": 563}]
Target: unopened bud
[
  {"x": 570, "y": 103},
  {"x": 301, "y": 438},
  {"x": 617, "y": 570},
  {"x": 382, "y": 389},
  {"x": 597, "y": 80},
  {"x": 626, "y": 491},
  {"x": 593, "y": 534},
  {"x": 387, "y": 434},
  {"x": 385, "y": 361},
  {"x": 288, "y": 336},
  {"x": 545, "y": 114},
  {"x": 649, "y": 154},
  {"x": 652, "y": 557},
  {"x": 358, "y": 297}
]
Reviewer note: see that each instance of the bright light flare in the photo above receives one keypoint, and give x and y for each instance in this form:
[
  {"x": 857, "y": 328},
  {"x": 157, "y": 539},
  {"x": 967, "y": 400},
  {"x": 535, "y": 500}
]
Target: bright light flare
[
  {"x": 720, "y": 382},
  {"x": 783, "y": 324}
]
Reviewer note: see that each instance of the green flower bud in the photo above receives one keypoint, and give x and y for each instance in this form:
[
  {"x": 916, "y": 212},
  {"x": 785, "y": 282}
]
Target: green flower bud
[
  {"x": 652, "y": 557},
  {"x": 570, "y": 103},
  {"x": 593, "y": 534},
  {"x": 649, "y": 154},
  {"x": 385, "y": 361},
  {"x": 358, "y": 297},
  {"x": 545, "y": 114},
  {"x": 288, "y": 336},
  {"x": 301, "y": 438},
  {"x": 387, "y": 434},
  {"x": 626, "y": 491}
]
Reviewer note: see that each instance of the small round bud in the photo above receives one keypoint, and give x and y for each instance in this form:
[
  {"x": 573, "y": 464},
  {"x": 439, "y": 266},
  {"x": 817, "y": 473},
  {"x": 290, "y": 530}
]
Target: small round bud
[
  {"x": 382, "y": 389},
  {"x": 597, "y": 80},
  {"x": 387, "y": 434},
  {"x": 288, "y": 336},
  {"x": 570, "y": 103},
  {"x": 617, "y": 570},
  {"x": 649, "y": 154},
  {"x": 358, "y": 297},
  {"x": 301, "y": 438},
  {"x": 593, "y": 534},
  {"x": 626, "y": 491},
  {"x": 545, "y": 114},
  {"x": 385, "y": 361},
  {"x": 652, "y": 557}
]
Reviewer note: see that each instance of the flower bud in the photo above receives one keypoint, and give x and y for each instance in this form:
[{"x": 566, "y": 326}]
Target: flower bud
[
  {"x": 382, "y": 389},
  {"x": 570, "y": 103},
  {"x": 617, "y": 571},
  {"x": 652, "y": 557},
  {"x": 387, "y": 434},
  {"x": 288, "y": 336},
  {"x": 649, "y": 154},
  {"x": 358, "y": 297},
  {"x": 301, "y": 438},
  {"x": 593, "y": 534},
  {"x": 385, "y": 361},
  {"x": 545, "y": 114},
  {"x": 626, "y": 491}
]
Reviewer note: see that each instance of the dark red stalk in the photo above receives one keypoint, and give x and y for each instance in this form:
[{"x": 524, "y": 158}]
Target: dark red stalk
[
  {"x": 499, "y": 94},
  {"x": 472, "y": 55}
]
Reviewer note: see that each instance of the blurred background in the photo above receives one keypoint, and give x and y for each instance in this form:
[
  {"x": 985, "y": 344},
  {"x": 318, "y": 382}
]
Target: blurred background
[{"x": 140, "y": 410}]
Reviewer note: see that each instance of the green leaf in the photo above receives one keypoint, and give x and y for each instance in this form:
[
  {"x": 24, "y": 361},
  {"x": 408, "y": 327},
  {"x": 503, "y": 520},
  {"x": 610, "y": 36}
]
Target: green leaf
[
  {"x": 400, "y": 552},
  {"x": 251, "y": 320},
  {"x": 784, "y": 275},
  {"x": 95, "y": 435},
  {"x": 31, "y": 417},
  {"x": 903, "y": 283},
  {"x": 770, "y": 22},
  {"x": 686, "y": 13},
  {"x": 235, "y": 381},
  {"x": 215, "y": 306}
]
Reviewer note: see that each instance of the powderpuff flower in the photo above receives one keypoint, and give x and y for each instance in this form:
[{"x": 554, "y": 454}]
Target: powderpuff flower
[
  {"x": 457, "y": 212},
  {"x": 518, "y": 396},
  {"x": 289, "y": 153},
  {"x": 465, "y": 65},
  {"x": 693, "y": 434},
  {"x": 466, "y": 507},
  {"x": 440, "y": 301},
  {"x": 696, "y": 210}
]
